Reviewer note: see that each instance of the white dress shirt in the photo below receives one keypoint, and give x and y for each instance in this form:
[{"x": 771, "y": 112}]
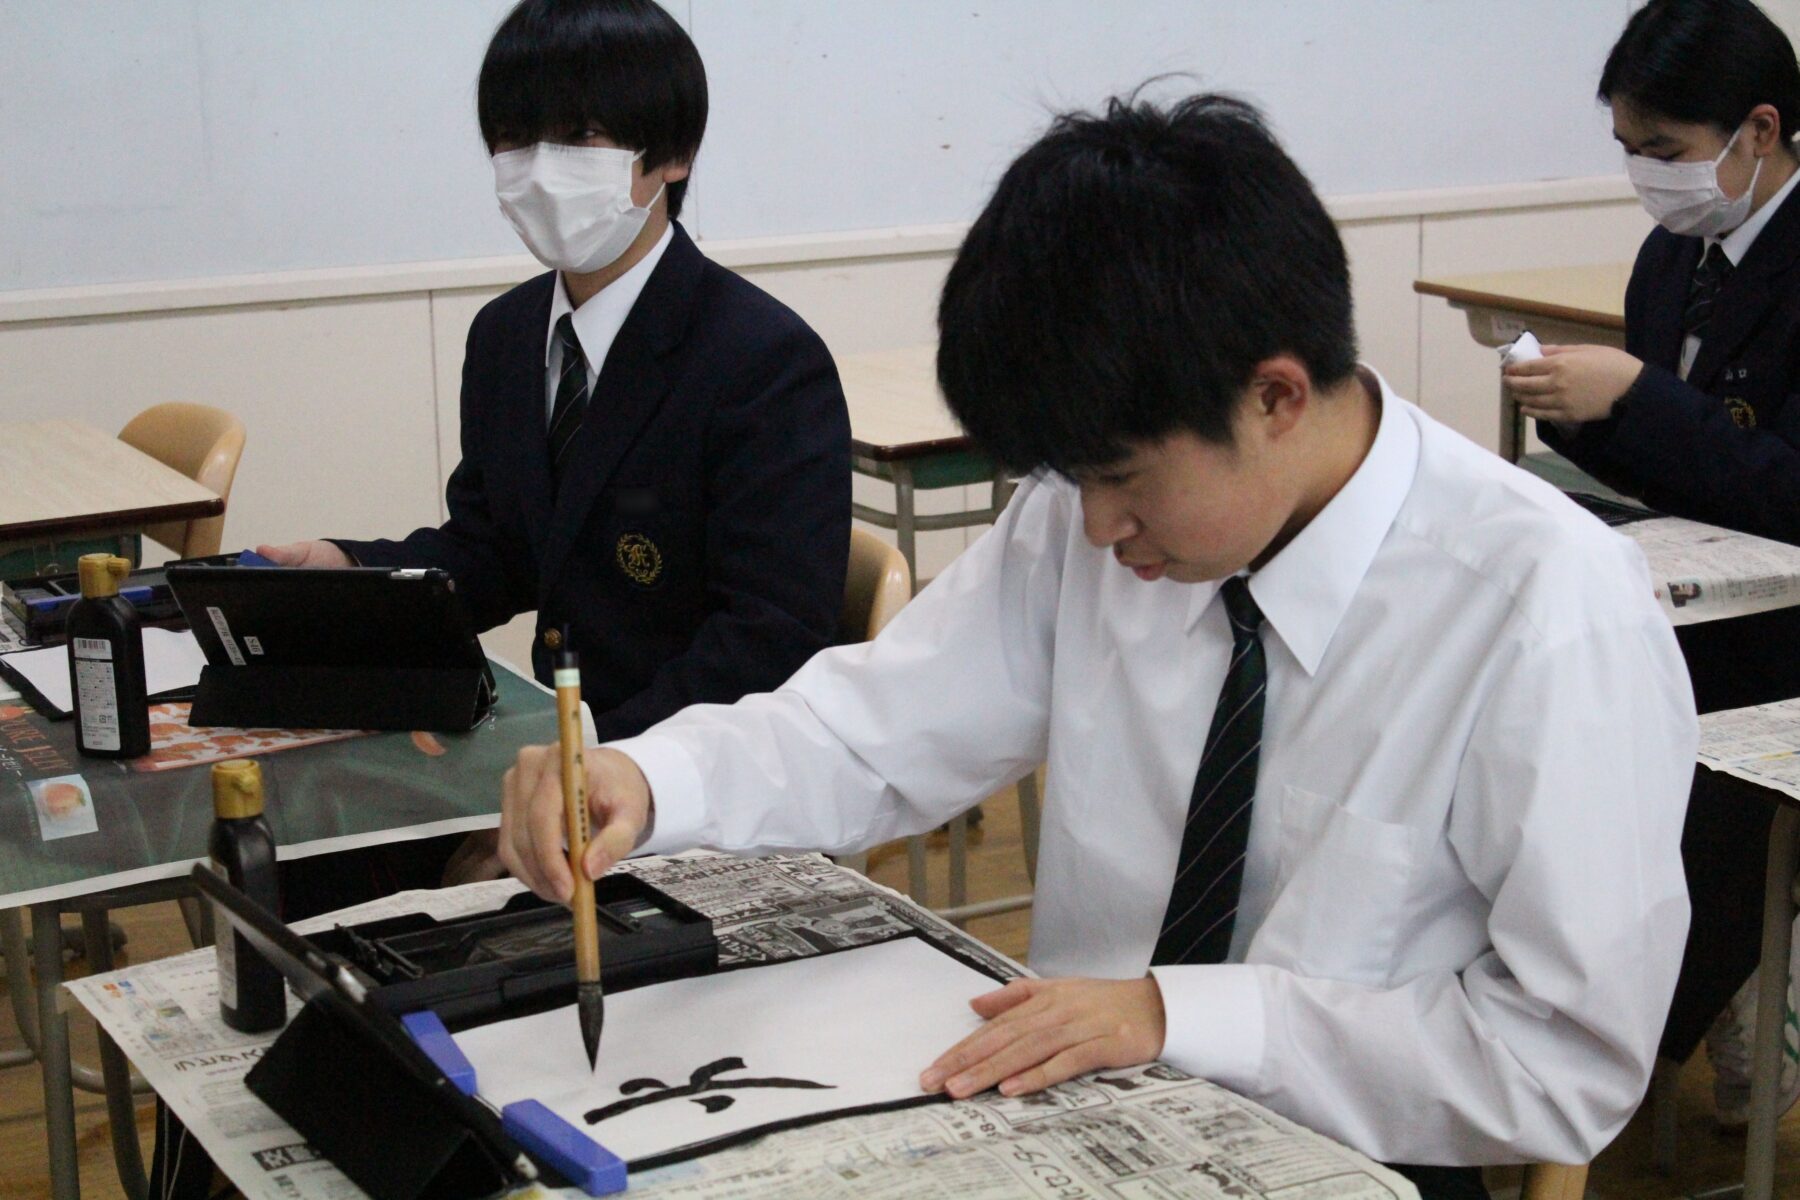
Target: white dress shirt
[
  {"x": 1736, "y": 244},
  {"x": 598, "y": 321},
  {"x": 1463, "y": 905}
]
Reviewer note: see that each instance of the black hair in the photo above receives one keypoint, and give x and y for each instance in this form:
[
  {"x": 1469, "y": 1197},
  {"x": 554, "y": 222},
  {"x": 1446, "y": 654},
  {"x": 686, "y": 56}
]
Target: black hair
[
  {"x": 1130, "y": 272},
  {"x": 1704, "y": 61},
  {"x": 623, "y": 67}
]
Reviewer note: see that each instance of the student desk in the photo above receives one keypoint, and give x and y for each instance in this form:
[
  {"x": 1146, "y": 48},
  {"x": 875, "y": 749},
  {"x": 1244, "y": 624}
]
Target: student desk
[
  {"x": 68, "y": 480},
  {"x": 1561, "y": 305},
  {"x": 152, "y": 825},
  {"x": 901, "y": 433},
  {"x": 1762, "y": 745},
  {"x": 1146, "y": 1131}
]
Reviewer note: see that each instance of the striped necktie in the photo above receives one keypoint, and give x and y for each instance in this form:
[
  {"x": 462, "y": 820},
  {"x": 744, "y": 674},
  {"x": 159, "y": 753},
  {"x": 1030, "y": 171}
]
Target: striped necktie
[
  {"x": 571, "y": 396},
  {"x": 1703, "y": 292},
  {"x": 1203, "y": 901}
]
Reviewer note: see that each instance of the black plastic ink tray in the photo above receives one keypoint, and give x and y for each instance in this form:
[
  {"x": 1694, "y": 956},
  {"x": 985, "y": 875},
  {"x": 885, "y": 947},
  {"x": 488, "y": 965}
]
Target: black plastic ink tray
[{"x": 521, "y": 958}]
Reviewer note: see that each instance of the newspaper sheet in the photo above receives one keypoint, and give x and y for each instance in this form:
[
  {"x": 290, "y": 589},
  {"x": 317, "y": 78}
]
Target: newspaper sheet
[
  {"x": 1705, "y": 573},
  {"x": 1148, "y": 1133},
  {"x": 1760, "y": 744}
]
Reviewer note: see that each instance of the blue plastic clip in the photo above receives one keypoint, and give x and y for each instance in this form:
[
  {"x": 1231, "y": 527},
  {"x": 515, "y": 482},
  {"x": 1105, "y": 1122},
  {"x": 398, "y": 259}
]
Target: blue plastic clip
[
  {"x": 567, "y": 1150},
  {"x": 429, "y": 1032}
]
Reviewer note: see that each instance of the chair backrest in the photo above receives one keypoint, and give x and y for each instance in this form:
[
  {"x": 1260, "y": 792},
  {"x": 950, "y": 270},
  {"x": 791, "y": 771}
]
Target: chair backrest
[
  {"x": 878, "y": 584},
  {"x": 1554, "y": 1181},
  {"x": 202, "y": 443}
]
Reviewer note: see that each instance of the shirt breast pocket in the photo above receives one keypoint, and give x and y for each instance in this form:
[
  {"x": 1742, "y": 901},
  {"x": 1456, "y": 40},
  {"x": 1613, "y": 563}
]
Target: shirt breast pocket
[{"x": 1343, "y": 889}]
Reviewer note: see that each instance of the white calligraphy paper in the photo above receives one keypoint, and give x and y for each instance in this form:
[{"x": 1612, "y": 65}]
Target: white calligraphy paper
[{"x": 694, "y": 1060}]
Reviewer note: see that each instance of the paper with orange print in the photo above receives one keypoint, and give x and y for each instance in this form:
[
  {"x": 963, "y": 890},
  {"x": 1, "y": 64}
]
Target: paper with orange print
[{"x": 174, "y": 743}]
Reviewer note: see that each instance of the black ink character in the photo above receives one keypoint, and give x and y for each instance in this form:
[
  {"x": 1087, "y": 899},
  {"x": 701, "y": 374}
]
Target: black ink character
[{"x": 704, "y": 1079}]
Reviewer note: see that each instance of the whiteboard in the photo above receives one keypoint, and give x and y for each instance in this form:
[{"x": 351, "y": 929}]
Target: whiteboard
[{"x": 169, "y": 139}]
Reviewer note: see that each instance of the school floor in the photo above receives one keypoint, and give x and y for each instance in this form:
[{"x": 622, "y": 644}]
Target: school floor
[{"x": 1707, "y": 1159}]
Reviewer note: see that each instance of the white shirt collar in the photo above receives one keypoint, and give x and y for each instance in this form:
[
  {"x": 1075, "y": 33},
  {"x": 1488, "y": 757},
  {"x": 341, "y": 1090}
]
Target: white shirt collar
[
  {"x": 1737, "y": 242},
  {"x": 598, "y": 321},
  {"x": 1306, "y": 588}
]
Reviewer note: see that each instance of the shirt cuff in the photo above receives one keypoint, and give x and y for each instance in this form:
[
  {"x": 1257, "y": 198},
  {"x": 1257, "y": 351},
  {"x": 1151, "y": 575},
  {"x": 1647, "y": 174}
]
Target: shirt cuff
[
  {"x": 676, "y": 804},
  {"x": 1215, "y": 1024}
]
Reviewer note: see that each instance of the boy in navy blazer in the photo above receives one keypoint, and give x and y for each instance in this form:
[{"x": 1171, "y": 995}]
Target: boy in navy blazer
[{"x": 655, "y": 453}]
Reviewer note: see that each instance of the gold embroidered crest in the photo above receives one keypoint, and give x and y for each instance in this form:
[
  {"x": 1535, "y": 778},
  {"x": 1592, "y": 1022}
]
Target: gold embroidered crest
[
  {"x": 639, "y": 558},
  {"x": 1742, "y": 415}
]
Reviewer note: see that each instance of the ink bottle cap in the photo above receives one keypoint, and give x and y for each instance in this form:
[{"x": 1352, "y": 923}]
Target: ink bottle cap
[
  {"x": 100, "y": 574},
  {"x": 237, "y": 789}
]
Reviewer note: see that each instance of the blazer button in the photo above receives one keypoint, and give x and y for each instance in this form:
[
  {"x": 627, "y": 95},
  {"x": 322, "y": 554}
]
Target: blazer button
[{"x": 553, "y": 639}]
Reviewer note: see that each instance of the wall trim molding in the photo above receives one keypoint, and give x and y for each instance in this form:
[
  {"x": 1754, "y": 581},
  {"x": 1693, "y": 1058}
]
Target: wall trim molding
[{"x": 101, "y": 301}]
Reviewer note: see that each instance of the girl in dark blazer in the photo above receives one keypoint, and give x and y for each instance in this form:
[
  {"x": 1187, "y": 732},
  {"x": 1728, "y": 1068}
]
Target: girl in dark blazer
[{"x": 1698, "y": 416}]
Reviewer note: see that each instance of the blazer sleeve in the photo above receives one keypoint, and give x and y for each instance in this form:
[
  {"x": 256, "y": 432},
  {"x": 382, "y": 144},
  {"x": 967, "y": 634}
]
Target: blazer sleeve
[
  {"x": 777, "y": 539},
  {"x": 489, "y": 567},
  {"x": 1692, "y": 460}
]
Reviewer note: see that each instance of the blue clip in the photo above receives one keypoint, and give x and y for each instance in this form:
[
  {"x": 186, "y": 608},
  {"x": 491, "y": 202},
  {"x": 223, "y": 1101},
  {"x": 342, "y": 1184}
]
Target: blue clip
[
  {"x": 429, "y": 1032},
  {"x": 565, "y": 1149},
  {"x": 250, "y": 558}
]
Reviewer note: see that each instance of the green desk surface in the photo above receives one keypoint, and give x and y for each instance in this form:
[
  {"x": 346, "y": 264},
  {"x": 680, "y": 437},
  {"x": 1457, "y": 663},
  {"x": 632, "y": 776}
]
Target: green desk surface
[{"x": 333, "y": 795}]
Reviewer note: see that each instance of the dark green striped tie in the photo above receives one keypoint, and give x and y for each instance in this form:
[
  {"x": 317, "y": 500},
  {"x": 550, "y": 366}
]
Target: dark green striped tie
[
  {"x": 571, "y": 396},
  {"x": 1203, "y": 901}
]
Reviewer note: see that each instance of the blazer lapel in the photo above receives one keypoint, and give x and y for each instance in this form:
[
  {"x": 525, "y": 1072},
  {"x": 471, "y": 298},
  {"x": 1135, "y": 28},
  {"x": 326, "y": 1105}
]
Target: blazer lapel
[
  {"x": 1662, "y": 333},
  {"x": 1749, "y": 293},
  {"x": 525, "y": 456},
  {"x": 632, "y": 384}
]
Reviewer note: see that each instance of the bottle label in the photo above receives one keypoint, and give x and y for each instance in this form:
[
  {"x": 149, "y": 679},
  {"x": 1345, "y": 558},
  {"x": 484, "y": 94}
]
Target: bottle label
[
  {"x": 225, "y": 938},
  {"x": 96, "y": 698}
]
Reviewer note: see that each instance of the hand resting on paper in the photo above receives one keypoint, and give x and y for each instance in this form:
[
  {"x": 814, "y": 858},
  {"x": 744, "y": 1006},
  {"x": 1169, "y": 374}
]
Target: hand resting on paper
[
  {"x": 1040, "y": 1032},
  {"x": 316, "y": 553},
  {"x": 1572, "y": 384},
  {"x": 531, "y": 817}
]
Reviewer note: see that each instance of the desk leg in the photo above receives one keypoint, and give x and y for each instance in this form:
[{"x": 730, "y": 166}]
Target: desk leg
[
  {"x": 1512, "y": 427},
  {"x": 18, "y": 986},
  {"x": 905, "y": 530},
  {"x": 121, "y": 1113},
  {"x": 53, "y": 1053},
  {"x": 1771, "y": 1002}
]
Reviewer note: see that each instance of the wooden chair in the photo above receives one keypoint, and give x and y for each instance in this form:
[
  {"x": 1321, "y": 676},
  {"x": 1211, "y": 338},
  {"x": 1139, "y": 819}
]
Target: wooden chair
[
  {"x": 1554, "y": 1181},
  {"x": 202, "y": 443},
  {"x": 878, "y": 586}
]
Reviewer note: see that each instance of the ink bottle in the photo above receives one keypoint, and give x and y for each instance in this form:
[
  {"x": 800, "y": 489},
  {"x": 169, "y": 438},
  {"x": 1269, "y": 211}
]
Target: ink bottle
[
  {"x": 252, "y": 995},
  {"x": 106, "y": 664}
]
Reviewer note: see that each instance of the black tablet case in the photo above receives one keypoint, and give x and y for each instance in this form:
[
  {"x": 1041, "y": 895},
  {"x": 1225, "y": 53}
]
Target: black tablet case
[{"x": 356, "y": 648}]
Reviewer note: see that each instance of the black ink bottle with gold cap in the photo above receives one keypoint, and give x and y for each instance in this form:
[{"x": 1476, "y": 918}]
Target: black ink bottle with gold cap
[
  {"x": 106, "y": 664},
  {"x": 252, "y": 996}
]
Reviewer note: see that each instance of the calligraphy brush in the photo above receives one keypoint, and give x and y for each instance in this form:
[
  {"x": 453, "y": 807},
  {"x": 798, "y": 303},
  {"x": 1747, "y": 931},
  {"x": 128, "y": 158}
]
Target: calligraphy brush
[{"x": 590, "y": 1000}]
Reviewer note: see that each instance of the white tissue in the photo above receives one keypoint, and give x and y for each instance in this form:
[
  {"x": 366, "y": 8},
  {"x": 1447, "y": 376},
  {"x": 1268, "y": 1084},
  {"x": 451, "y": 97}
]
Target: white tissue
[{"x": 1523, "y": 350}]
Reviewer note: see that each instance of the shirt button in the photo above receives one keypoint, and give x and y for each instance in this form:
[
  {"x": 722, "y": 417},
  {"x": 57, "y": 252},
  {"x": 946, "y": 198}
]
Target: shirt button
[{"x": 553, "y": 639}]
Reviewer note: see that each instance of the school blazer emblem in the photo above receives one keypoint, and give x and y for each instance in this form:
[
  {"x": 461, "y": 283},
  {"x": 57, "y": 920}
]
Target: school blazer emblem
[
  {"x": 639, "y": 558},
  {"x": 1742, "y": 415}
]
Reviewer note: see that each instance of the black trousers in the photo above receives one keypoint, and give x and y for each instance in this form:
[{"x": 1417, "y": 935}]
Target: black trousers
[
  {"x": 1724, "y": 850},
  {"x": 1444, "y": 1183}
]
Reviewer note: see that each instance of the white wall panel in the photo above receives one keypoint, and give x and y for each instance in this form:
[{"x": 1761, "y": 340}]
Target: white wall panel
[
  {"x": 1384, "y": 262},
  {"x": 337, "y": 399}
]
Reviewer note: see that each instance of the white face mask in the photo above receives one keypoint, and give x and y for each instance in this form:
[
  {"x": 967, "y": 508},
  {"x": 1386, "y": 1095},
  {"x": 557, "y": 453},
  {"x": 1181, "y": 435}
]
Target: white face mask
[
  {"x": 571, "y": 204},
  {"x": 1685, "y": 197}
]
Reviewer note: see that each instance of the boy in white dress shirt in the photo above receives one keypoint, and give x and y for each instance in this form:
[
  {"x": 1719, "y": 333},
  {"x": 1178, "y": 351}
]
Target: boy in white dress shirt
[{"x": 1367, "y": 753}]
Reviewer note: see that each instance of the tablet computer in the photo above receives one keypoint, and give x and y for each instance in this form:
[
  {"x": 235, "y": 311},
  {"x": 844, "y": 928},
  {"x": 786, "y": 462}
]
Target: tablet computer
[{"x": 349, "y": 648}]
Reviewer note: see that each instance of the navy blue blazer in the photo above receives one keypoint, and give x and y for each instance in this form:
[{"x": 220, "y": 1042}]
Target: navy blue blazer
[
  {"x": 698, "y": 545},
  {"x": 1724, "y": 446}
]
